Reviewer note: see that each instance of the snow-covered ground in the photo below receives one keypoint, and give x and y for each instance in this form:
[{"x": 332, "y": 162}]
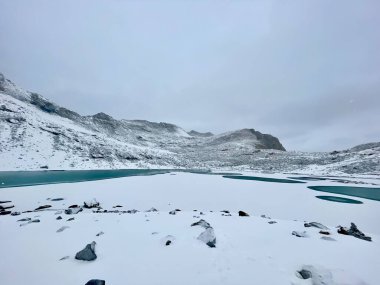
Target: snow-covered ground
[{"x": 132, "y": 250}]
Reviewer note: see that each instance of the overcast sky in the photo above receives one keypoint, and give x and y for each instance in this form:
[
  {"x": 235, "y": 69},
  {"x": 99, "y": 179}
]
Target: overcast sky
[{"x": 307, "y": 72}]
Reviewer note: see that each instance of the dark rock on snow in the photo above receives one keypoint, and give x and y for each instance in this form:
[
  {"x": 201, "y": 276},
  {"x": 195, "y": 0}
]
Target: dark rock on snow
[
  {"x": 305, "y": 274},
  {"x": 91, "y": 204},
  {"x": 73, "y": 211},
  {"x": 353, "y": 231},
  {"x": 316, "y": 225},
  {"x": 88, "y": 253},
  {"x": 42, "y": 207},
  {"x": 243, "y": 214},
  {"x": 59, "y": 218},
  {"x": 96, "y": 282},
  {"x": 299, "y": 234}
]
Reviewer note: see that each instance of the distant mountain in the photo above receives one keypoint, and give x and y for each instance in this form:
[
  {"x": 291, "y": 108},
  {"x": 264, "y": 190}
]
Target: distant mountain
[{"x": 35, "y": 132}]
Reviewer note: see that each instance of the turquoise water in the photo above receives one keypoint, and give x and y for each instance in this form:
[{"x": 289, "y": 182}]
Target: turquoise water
[
  {"x": 362, "y": 192},
  {"x": 339, "y": 199},
  {"x": 29, "y": 178},
  {"x": 308, "y": 178},
  {"x": 264, "y": 179}
]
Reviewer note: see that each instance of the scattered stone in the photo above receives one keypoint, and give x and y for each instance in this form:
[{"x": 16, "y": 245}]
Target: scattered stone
[
  {"x": 201, "y": 223},
  {"x": 59, "y": 218},
  {"x": 65, "y": 257},
  {"x": 6, "y": 207},
  {"x": 34, "y": 221},
  {"x": 353, "y": 231},
  {"x": 305, "y": 274},
  {"x": 324, "y": 232},
  {"x": 155, "y": 233},
  {"x": 42, "y": 207},
  {"x": 168, "y": 240},
  {"x": 24, "y": 220},
  {"x": 265, "y": 217},
  {"x": 243, "y": 214},
  {"x": 96, "y": 282},
  {"x": 3, "y": 202},
  {"x": 88, "y": 253},
  {"x": 272, "y": 222},
  {"x": 15, "y": 213},
  {"x": 3, "y": 213},
  {"x": 315, "y": 225},
  {"x": 117, "y": 206},
  {"x": 133, "y": 211},
  {"x": 152, "y": 210},
  {"x": 328, "y": 238},
  {"x": 44, "y": 167},
  {"x": 56, "y": 199},
  {"x": 73, "y": 211},
  {"x": 91, "y": 204},
  {"x": 71, "y": 219},
  {"x": 318, "y": 275},
  {"x": 172, "y": 212},
  {"x": 300, "y": 234},
  {"x": 99, "y": 234},
  {"x": 74, "y": 206},
  {"x": 225, "y": 211},
  {"x": 62, "y": 229},
  {"x": 201, "y": 213},
  {"x": 208, "y": 237}
]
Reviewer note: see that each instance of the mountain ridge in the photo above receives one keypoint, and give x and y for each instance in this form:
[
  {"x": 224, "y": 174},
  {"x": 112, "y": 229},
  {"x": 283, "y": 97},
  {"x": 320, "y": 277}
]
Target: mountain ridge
[{"x": 35, "y": 133}]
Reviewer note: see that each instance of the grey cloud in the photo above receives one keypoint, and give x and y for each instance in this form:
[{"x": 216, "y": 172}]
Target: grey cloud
[{"x": 305, "y": 71}]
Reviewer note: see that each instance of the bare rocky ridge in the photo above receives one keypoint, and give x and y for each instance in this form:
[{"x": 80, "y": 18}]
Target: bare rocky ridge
[{"x": 36, "y": 133}]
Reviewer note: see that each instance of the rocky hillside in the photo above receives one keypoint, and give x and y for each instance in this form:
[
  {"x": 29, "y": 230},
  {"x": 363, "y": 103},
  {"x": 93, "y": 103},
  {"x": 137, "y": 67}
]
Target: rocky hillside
[{"x": 35, "y": 133}]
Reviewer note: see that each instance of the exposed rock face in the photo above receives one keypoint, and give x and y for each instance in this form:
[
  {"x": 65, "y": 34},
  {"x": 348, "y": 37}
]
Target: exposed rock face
[
  {"x": 198, "y": 134},
  {"x": 88, "y": 253}
]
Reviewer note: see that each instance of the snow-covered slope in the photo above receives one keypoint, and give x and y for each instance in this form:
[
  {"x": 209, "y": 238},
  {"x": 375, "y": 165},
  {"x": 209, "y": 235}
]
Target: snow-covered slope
[{"x": 35, "y": 132}]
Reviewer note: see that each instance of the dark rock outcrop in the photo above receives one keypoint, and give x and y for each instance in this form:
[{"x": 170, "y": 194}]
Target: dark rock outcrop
[{"x": 353, "y": 231}]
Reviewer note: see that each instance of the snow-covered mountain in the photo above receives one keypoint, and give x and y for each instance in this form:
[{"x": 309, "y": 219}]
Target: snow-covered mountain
[{"x": 35, "y": 133}]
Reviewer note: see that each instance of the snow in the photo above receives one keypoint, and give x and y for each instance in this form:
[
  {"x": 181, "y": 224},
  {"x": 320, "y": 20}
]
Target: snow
[{"x": 248, "y": 250}]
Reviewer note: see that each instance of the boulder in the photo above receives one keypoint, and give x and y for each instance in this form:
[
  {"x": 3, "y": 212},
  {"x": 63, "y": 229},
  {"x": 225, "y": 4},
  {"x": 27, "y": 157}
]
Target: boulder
[
  {"x": 96, "y": 282},
  {"x": 88, "y": 253},
  {"x": 91, "y": 204},
  {"x": 243, "y": 214},
  {"x": 300, "y": 234},
  {"x": 208, "y": 237},
  {"x": 316, "y": 225},
  {"x": 354, "y": 231},
  {"x": 201, "y": 223},
  {"x": 42, "y": 207},
  {"x": 73, "y": 211}
]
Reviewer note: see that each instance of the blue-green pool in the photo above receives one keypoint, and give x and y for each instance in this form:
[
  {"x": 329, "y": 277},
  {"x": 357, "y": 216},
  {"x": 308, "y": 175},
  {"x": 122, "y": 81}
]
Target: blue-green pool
[
  {"x": 339, "y": 199},
  {"x": 361, "y": 192},
  {"x": 264, "y": 179},
  {"x": 30, "y": 178}
]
